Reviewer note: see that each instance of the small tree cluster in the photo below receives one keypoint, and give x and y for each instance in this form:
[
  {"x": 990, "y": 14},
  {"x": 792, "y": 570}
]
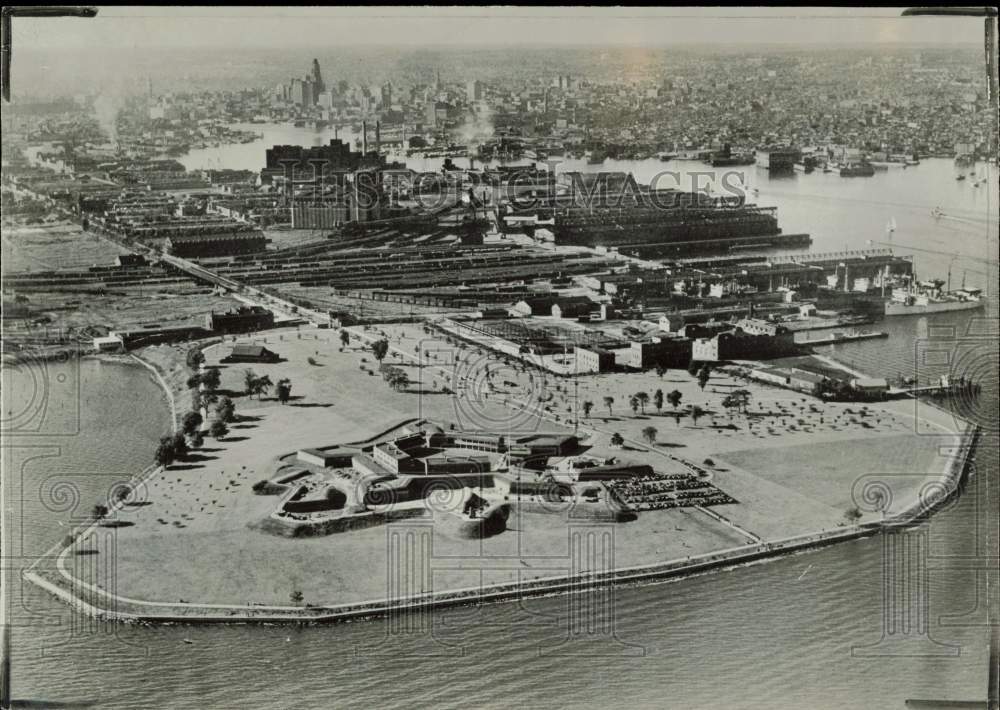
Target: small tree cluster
[
  {"x": 171, "y": 448},
  {"x": 256, "y": 385},
  {"x": 284, "y": 390},
  {"x": 225, "y": 410},
  {"x": 380, "y": 348},
  {"x": 195, "y": 358},
  {"x": 396, "y": 377}
]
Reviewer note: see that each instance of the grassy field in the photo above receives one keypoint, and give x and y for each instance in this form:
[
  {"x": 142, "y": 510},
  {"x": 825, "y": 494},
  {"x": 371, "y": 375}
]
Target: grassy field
[
  {"x": 817, "y": 471},
  {"x": 190, "y": 538}
]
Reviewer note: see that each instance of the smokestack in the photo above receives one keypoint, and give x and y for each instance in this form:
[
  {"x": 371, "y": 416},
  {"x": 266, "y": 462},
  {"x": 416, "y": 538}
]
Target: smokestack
[
  {"x": 378, "y": 137},
  {"x": 364, "y": 138},
  {"x": 472, "y": 163}
]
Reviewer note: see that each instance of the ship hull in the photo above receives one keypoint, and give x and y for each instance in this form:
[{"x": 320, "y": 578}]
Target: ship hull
[{"x": 898, "y": 309}]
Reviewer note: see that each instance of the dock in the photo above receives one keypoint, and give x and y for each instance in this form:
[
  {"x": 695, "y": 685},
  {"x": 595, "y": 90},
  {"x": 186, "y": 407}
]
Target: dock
[{"x": 835, "y": 338}]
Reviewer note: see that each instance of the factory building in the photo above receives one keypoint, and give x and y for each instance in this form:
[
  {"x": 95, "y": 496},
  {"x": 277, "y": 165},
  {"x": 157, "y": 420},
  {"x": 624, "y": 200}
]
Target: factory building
[
  {"x": 212, "y": 245},
  {"x": 240, "y": 320}
]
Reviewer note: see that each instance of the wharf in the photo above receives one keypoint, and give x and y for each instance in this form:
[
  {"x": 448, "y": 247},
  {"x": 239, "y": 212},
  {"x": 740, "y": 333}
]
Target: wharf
[{"x": 835, "y": 338}]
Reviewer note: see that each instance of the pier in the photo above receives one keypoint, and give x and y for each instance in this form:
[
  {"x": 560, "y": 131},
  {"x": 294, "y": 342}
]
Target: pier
[{"x": 835, "y": 338}]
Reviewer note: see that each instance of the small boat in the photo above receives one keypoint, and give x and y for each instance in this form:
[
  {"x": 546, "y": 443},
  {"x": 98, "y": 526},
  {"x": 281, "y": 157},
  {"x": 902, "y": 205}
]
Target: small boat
[
  {"x": 187, "y": 640},
  {"x": 891, "y": 226}
]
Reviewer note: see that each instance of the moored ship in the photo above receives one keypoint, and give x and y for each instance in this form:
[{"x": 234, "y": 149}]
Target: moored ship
[
  {"x": 929, "y": 298},
  {"x": 857, "y": 170},
  {"x": 596, "y": 157}
]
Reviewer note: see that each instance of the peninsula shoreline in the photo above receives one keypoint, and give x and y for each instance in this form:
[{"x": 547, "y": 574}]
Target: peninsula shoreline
[{"x": 105, "y": 606}]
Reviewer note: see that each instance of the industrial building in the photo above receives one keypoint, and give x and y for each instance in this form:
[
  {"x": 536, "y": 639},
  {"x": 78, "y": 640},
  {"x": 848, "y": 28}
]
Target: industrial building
[
  {"x": 240, "y": 320},
  {"x": 737, "y": 344},
  {"x": 669, "y": 352},
  {"x": 212, "y": 245}
]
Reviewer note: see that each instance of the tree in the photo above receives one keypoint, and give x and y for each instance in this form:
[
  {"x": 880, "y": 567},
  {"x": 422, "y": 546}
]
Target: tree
[
  {"x": 195, "y": 358},
  {"x": 608, "y": 401},
  {"x": 660, "y": 369},
  {"x": 742, "y": 398},
  {"x": 658, "y": 400},
  {"x": 249, "y": 381},
  {"x": 218, "y": 429},
  {"x": 649, "y": 434},
  {"x": 100, "y": 510},
  {"x": 696, "y": 413},
  {"x": 694, "y": 367},
  {"x": 261, "y": 385},
  {"x": 191, "y": 423},
  {"x": 180, "y": 445},
  {"x": 194, "y": 381},
  {"x": 674, "y": 398},
  {"x": 284, "y": 389},
  {"x": 703, "y": 375},
  {"x": 852, "y": 514},
  {"x": 197, "y": 440},
  {"x": 296, "y": 596},
  {"x": 380, "y": 348},
  {"x": 643, "y": 398},
  {"x": 165, "y": 453},
  {"x": 211, "y": 378},
  {"x": 633, "y": 402},
  {"x": 730, "y": 402},
  {"x": 617, "y": 440},
  {"x": 400, "y": 380},
  {"x": 587, "y": 406},
  {"x": 225, "y": 410},
  {"x": 345, "y": 337}
]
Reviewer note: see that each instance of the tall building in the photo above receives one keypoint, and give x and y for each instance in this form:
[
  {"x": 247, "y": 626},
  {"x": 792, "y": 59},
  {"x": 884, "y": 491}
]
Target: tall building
[
  {"x": 474, "y": 90},
  {"x": 317, "y": 78},
  {"x": 303, "y": 92},
  {"x": 296, "y": 92},
  {"x": 387, "y": 94}
]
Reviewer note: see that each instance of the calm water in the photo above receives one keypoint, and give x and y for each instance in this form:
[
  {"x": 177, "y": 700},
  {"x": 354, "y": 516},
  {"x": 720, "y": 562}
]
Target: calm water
[{"x": 775, "y": 635}]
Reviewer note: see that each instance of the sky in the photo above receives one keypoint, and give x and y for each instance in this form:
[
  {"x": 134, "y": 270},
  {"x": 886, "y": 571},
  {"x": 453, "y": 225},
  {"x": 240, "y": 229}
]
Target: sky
[{"x": 160, "y": 27}]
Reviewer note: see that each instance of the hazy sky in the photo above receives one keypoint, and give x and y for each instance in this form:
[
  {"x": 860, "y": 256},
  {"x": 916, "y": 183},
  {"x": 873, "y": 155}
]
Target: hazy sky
[{"x": 282, "y": 27}]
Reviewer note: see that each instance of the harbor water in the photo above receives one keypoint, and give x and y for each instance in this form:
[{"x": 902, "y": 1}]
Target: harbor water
[{"x": 795, "y": 632}]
